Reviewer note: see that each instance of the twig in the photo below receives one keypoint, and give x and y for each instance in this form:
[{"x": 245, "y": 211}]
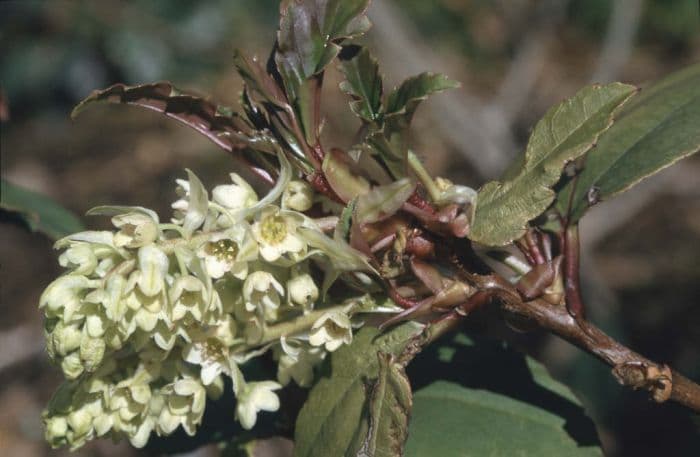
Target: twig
[{"x": 629, "y": 368}]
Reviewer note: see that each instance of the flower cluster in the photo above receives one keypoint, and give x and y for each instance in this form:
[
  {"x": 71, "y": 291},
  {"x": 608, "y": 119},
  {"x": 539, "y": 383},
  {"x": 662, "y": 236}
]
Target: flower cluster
[{"x": 151, "y": 317}]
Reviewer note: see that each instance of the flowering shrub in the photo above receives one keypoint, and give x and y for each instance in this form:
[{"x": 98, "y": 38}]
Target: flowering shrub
[{"x": 359, "y": 256}]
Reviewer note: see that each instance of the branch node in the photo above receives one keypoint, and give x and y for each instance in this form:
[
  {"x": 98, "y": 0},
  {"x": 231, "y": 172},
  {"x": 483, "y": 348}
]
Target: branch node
[{"x": 657, "y": 379}]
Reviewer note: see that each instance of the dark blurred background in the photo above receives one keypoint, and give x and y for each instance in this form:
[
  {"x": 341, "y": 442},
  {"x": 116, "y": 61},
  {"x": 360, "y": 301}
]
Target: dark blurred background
[{"x": 514, "y": 57}]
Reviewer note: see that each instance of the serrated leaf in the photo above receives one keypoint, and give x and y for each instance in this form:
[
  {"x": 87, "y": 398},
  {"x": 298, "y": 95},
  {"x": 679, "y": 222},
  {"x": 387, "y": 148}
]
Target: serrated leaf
[
  {"x": 653, "y": 131},
  {"x": 40, "y": 213},
  {"x": 565, "y": 133},
  {"x": 218, "y": 123},
  {"x": 383, "y": 201},
  {"x": 310, "y": 31},
  {"x": 258, "y": 80},
  {"x": 333, "y": 421},
  {"x": 308, "y": 40},
  {"x": 363, "y": 84},
  {"x": 491, "y": 400},
  {"x": 389, "y": 410},
  {"x": 403, "y": 100}
]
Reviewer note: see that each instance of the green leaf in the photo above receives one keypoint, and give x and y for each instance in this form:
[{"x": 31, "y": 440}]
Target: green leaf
[
  {"x": 40, "y": 213},
  {"x": 565, "y": 133},
  {"x": 308, "y": 40},
  {"x": 476, "y": 398},
  {"x": 310, "y": 31},
  {"x": 383, "y": 201},
  {"x": 334, "y": 420},
  {"x": 344, "y": 181},
  {"x": 389, "y": 409},
  {"x": 653, "y": 131},
  {"x": 363, "y": 84},
  {"x": 450, "y": 420},
  {"x": 403, "y": 100}
]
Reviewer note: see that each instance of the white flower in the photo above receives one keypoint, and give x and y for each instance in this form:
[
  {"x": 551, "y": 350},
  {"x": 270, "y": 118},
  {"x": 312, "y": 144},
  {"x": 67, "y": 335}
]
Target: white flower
[
  {"x": 212, "y": 355},
  {"x": 302, "y": 290},
  {"x": 235, "y": 196},
  {"x": 275, "y": 232},
  {"x": 80, "y": 258},
  {"x": 186, "y": 399},
  {"x": 332, "y": 330},
  {"x": 64, "y": 295},
  {"x": 229, "y": 251},
  {"x": 253, "y": 398},
  {"x": 262, "y": 291},
  {"x": 192, "y": 207},
  {"x": 297, "y": 362},
  {"x": 153, "y": 264},
  {"x": 136, "y": 229},
  {"x": 188, "y": 295},
  {"x": 298, "y": 196}
]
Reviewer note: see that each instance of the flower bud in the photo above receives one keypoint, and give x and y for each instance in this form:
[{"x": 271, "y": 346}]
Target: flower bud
[
  {"x": 80, "y": 422},
  {"x": 92, "y": 351},
  {"x": 302, "y": 290},
  {"x": 72, "y": 366},
  {"x": 80, "y": 258},
  {"x": 56, "y": 428},
  {"x": 298, "y": 196},
  {"x": 332, "y": 330},
  {"x": 65, "y": 338},
  {"x": 153, "y": 264},
  {"x": 235, "y": 196}
]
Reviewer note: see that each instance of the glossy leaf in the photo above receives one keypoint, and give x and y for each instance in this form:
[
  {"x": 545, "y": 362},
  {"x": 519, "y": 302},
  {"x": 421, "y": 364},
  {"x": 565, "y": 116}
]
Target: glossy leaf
[
  {"x": 310, "y": 31},
  {"x": 484, "y": 398},
  {"x": 335, "y": 418},
  {"x": 402, "y": 101},
  {"x": 565, "y": 133},
  {"x": 344, "y": 181},
  {"x": 308, "y": 40},
  {"x": 653, "y": 131},
  {"x": 258, "y": 80},
  {"x": 363, "y": 83},
  {"x": 383, "y": 201},
  {"x": 40, "y": 213}
]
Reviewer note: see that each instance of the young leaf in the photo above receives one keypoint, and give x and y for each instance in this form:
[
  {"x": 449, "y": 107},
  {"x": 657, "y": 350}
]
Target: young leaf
[
  {"x": 344, "y": 182},
  {"x": 39, "y": 212},
  {"x": 566, "y": 132},
  {"x": 383, "y": 201},
  {"x": 363, "y": 84},
  {"x": 333, "y": 420},
  {"x": 217, "y": 123},
  {"x": 653, "y": 131},
  {"x": 308, "y": 40},
  {"x": 403, "y": 100},
  {"x": 310, "y": 31}
]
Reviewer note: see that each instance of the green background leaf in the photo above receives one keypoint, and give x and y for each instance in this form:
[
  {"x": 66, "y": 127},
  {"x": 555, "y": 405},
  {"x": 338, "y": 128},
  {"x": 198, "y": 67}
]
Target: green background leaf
[
  {"x": 39, "y": 212},
  {"x": 334, "y": 421},
  {"x": 478, "y": 397},
  {"x": 653, "y": 131},
  {"x": 566, "y": 132}
]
